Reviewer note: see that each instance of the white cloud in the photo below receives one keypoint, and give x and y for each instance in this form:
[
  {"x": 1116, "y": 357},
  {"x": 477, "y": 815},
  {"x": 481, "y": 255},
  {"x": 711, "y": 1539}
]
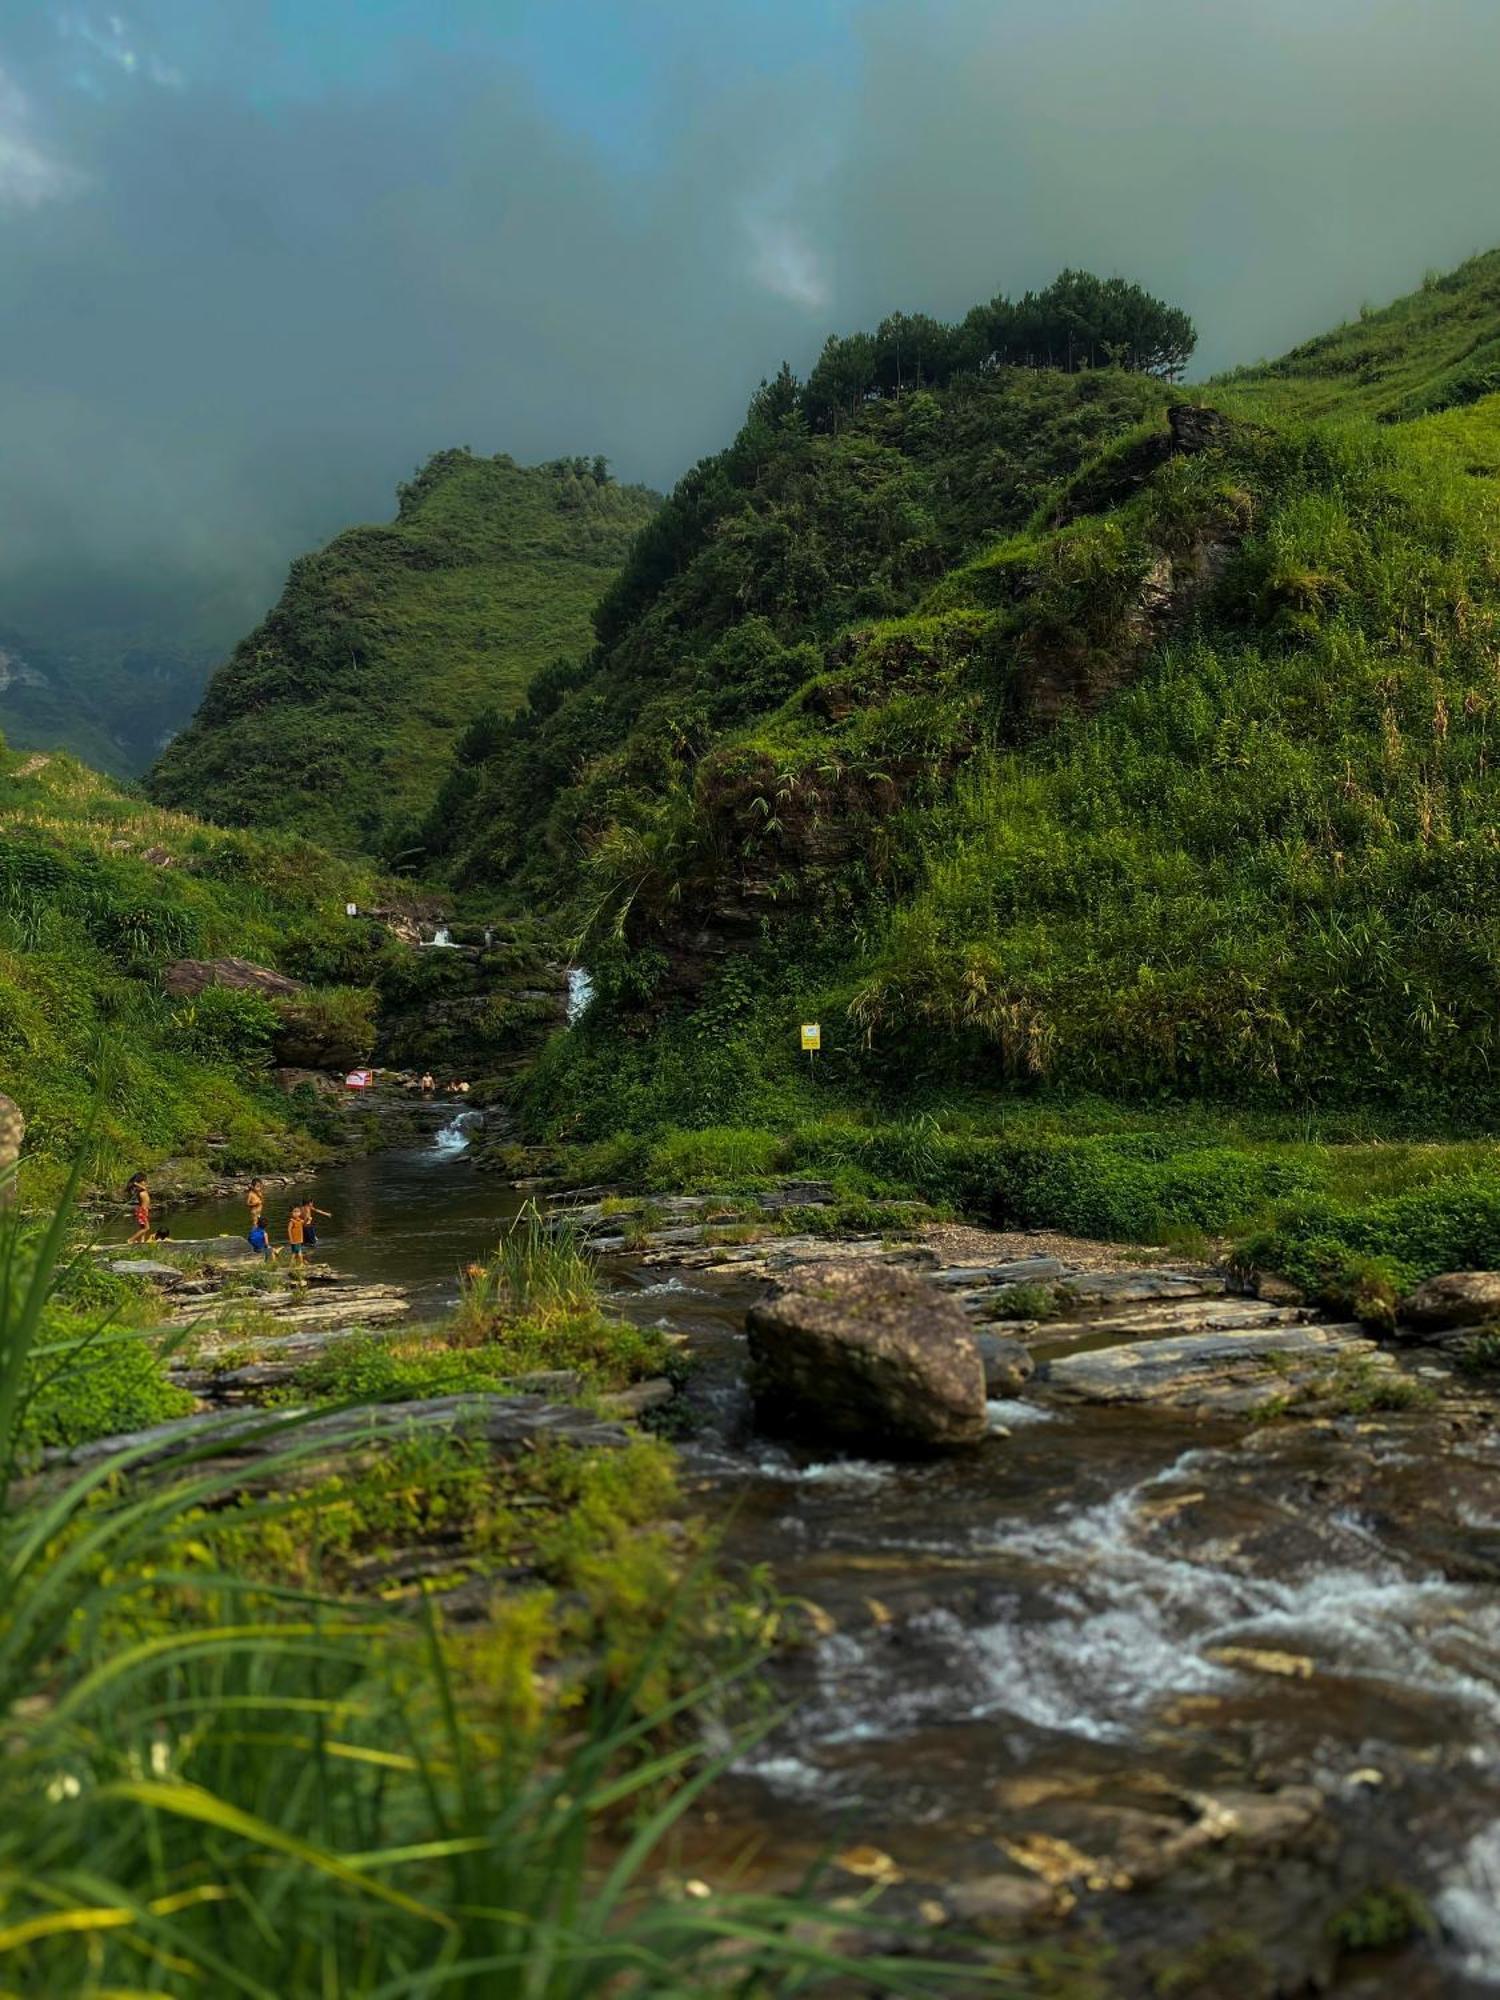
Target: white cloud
[
  {"x": 29, "y": 175},
  {"x": 784, "y": 263},
  {"x": 112, "y": 44}
]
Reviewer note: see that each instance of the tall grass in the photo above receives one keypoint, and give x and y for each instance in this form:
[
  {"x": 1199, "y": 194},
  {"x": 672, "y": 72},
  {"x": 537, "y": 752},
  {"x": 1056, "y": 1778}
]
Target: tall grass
[{"x": 209, "y": 1787}]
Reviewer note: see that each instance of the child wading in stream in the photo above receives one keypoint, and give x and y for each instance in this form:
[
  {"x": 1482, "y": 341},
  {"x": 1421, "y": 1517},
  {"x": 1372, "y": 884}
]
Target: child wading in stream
[
  {"x": 310, "y": 1216},
  {"x": 296, "y": 1236},
  {"x": 140, "y": 1194}
]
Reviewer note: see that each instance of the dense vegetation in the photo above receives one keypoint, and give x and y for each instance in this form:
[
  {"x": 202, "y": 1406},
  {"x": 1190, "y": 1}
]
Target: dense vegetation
[
  {"x": 98, "y": 892},
  {"x": 335, "y": 716},
  {"x": 1059, "y": 744},
  {"x": 248, "y": 1753}
]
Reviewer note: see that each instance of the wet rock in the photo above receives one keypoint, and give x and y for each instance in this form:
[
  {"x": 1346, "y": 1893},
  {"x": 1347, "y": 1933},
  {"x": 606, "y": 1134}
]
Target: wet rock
[
  {"x": 869, "y": 1354},
  {"x": 1008, "y": 1365},
  {"x": 1212, "y": 1371},
  {"x": 1455, "y": 1299}
]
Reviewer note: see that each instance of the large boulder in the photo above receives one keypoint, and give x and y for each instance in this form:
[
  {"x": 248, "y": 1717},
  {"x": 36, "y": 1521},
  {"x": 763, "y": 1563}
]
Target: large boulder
[
  {"x": 1455, "y": 1299},
  {"x": 867, "y": 1355},
  {"x": 185, "y": 978}
]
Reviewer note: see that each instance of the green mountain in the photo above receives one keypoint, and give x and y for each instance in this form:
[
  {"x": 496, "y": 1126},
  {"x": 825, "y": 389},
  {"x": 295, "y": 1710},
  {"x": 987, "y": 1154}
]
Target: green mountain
[
  {"x": 1042, "y": 733},
  {"x": 338, "y": 714},
  {"x": 111, "y": 703}
]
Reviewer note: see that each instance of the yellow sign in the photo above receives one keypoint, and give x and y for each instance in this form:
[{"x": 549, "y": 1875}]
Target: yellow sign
[{"x": 812, "y": 1035}]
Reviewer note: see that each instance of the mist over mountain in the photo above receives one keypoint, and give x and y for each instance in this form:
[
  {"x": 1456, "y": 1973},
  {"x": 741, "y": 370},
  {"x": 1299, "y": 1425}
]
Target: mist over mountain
[{"x": 589, "y": 228}]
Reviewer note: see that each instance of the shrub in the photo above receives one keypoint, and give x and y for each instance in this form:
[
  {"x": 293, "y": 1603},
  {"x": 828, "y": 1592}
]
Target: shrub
[{"x": 224, "y": 1025}]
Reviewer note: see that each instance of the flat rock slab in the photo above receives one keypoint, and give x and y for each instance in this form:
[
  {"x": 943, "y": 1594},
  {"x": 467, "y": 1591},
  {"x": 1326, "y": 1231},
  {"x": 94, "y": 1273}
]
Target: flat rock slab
[
  {"x": 1019, "y": 1271},
  {"x": 346, "y": 1307},
  {"x": 1227, "y": 1371},
  {"x": 507, "y": 1423},
  {"x": 1187, "y": 1316},
  {"x": 1119, "y": 1287}
]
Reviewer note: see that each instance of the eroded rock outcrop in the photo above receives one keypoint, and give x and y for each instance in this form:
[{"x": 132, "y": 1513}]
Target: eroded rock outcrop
[
  {"x": 867, "y": 1355},
  {"x": 1452, "y": 1302},
  {"x": 185, "y": 978}
]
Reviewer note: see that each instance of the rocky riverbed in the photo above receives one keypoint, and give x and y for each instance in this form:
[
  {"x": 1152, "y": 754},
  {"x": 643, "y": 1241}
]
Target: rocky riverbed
[{"x": 1189, "y": 1666}]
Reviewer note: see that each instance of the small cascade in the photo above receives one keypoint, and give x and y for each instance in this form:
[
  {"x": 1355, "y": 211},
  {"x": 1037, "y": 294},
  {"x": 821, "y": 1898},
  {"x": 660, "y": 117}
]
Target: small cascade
[
  {"x": 440, "y": 940},
  {"x": 580, "y": 993},
  {"x": 454, "y": 1136}
]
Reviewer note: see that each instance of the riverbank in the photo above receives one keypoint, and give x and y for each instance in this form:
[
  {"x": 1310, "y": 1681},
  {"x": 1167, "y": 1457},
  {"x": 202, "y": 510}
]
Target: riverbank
[
  {"x": 1350, "y": 1213},
  {"x": 1190, "y": 1670}
]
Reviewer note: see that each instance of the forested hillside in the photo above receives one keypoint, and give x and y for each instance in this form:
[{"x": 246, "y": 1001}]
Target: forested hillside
[
  {"x": 337, "y": 715},
  {"x": 1040, "y": 732}
]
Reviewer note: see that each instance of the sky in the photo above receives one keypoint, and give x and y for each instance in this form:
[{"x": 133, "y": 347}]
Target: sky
[{"x": 260, "y": 258}]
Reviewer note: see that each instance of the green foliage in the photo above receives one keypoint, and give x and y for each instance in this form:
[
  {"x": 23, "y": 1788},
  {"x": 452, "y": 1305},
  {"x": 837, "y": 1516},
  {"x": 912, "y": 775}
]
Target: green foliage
[
  {"x": 97, "y": 892},
  {"x": 1452, "y": 1224},
  {"x": 224, "y": 1025},
  {"x": 396, "y": 645},
  {"x": 1478, "y": 1353},
  {"x": 733, "y": 595},
  {"x": 1435, "y": 349},
  {"x": 92, "y": 1384},
  {"x": 1380, "y": 1918}
]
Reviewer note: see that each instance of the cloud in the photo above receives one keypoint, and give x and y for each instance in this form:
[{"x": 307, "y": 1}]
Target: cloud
[
  {"x": 109, "y": 43},
  {"x": 286, "y": 271},
  {"x": 29, "y": 175}
]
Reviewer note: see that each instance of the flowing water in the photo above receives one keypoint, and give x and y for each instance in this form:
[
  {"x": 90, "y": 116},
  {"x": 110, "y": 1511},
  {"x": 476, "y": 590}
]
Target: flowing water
[{"x": 1091, "y": 1633}]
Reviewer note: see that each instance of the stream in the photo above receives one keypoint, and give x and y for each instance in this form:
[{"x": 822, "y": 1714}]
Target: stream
[{"x": 1046, "y": 1670}]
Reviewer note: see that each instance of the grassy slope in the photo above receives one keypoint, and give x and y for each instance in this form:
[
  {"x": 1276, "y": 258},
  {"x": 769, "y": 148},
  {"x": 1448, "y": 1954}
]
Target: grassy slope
[
  {"x": 1437, "y": 349},
  {"x": 1141, "y": 953},
  {"x": 335, "y": 717},
  {"x": 87, "y": 920}
]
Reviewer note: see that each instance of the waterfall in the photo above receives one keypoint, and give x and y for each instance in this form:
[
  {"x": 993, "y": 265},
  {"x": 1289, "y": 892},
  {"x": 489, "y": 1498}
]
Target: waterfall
[
  {"x": 580, "y": 992},
  {"x": 454, "y": 1136}
]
